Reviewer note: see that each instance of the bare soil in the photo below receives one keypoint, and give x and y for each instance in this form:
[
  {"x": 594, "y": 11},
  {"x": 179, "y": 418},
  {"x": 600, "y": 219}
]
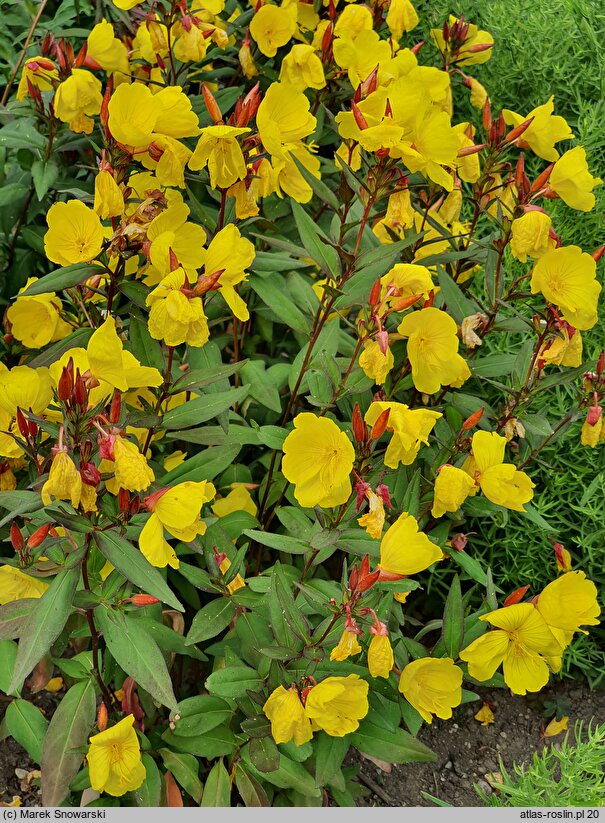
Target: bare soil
[{"x": 468, "y": 752}]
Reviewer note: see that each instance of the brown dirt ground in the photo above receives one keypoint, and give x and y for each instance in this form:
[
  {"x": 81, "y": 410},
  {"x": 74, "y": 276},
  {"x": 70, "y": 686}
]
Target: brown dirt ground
[{"x": 466, "y": 750}]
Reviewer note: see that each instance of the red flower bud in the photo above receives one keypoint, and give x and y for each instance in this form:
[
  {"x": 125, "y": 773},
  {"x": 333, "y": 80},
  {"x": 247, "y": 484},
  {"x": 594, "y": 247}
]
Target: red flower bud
[
  {"x": 135, "y": 505},
  {"x": 598, "y": 253},
  {"x": 516, "y": 596},
  {"x": 594, "y": 415},
  {"x": 375, "y": 292},
  {"x": 143, "y": 600},
  {"x": 115, "y": 408},
  {"x": 472, "y": 421},
  {"x": 16, "y": 537},
  {"x": 66, "y": 381},
  {"x": 601, "y": 363},
  {"x": 80, "y": 392},
  {"x": 360, "y": 430},
  {"x": 487, "y": 116},
  {"x": 515, "y": 133},
  {"x": 22, "y": 423},
  {"x": 102, "y": 717},
  {"x": 124, "y": 500},
  {"x": 211, "y": 105},
  {"x": 39, "y": 536},
  {"x": 379, "y": 427},
  {"x": 541, "y": 179},
  {"x": 358, "y": 115}
]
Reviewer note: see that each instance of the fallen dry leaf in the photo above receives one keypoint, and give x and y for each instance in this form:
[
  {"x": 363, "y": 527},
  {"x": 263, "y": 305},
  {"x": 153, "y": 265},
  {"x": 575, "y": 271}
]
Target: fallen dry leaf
[
  {"x": 15, "y": 802},
  {"x": 485, "y": 715},
  {"x": 555, "y": 726}
]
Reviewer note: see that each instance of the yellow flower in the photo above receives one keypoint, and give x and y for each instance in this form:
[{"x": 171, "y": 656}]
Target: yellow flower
[
  {"x": 132, "y": 114},
  {"x": 373, "y": 521},
  {"x": 177, "y": 510},
  {"x": 41, "y": 73},
  {"x": 352, "y": 20},
  {"x": 374, "y": 363},
  {"x": 433, "y": 350},
  {"x": 567, "y": 278},
  {"x": 238, "y": 500},
  {"x": 287, "y": 715},
  {"x": 170, "y": 231},
  {"x": 109, "y": 200},
  {"x": 347, "y": 646},
  {"x": 114, "y": 759},
  {"x": 64, "y": 481},
  {"x": 175, "y": 317},
  {"x": 572, "y": 181},
  {"x": 25, "y": 388},
  {"x": 107, "y": 51},
  {"x": 531, "y": 235},
  {"x": 237, "y": 582},
  {"x": 410, "y": 427},
  {"x": 76, "y": 98},
  {"x": 545, "y": 130},
  {"x": 478, "y": 94},
  {"x": 111, "y": 363},
  {"x": 219, "y": 149},
  {"x": 36, "y": 320},
  {"x": 246, "y": 60},
  {"x": 380, "y": 656},
  {"x": 75, "y": 233},
  {"x": 565, "y": 349},
  {"x": 318, "y": 458},
  {"x": 555, "y": 726},
  {"x": 231, "y": 254},
  {"x": 273, "y": 26},
  {"x": 405, "y": 279},
  {"x": 500, "y": 482},
  {"x": 452, "y": 487},
  {"x": 283, "y": 117},
  {"x": 485, "y": 715},
  {"x": 173, "y": 460},
  {"x": 130, "y": 467},
  {"x": 569, "y": 602},
  {"x": 592, "y": 433},
  {"x": 522, "y": 642},
  {"x": 302, "y": 68},
  {"x": 404, "y": 550},
  {"x": 401, "y": 17},
  {"x": 337, "y": 704},
  {"x": 432, "y": 686},
  {"x": 16, "y": 585}
]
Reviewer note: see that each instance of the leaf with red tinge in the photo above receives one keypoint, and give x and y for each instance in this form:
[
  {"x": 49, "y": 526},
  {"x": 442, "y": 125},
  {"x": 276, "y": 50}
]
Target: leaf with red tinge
[{"x": 174, "y": 799}]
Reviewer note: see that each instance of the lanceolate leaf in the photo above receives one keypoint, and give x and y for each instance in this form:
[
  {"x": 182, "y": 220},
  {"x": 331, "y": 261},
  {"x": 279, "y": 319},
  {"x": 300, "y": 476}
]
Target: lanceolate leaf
[
  {"x": 203, "y": 408},
  {"x": 129, "y": 561},
  {"x": 217, "y": 789},
  {"x": 453, "y": 619},
  {"x": 135, "y": 651},
  {"x": 62, "y": 279},
  {"x": 392, "y": 746},
  {"x": 45, "y": 623},
  {"x": 66, "y": 736},
  {"x": 27, "y": 725},
  {"x": 13, "y": 617}
]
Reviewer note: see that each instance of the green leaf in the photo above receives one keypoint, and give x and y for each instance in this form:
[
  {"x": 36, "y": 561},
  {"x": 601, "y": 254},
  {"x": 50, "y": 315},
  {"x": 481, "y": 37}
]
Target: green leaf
[
  {"x": 135, "y": 567},
  {"x": 22, "y": 134},
  {"x": 18, "y": 502},
  {"x": 233, "y": 681},
  {"x": 149, "y": 794},
  {"x": 470, "y": 565},
  {"x": 288, "y": 775},
  {"x": 8, "y": 655},
  {"x": 185, "y": 770},
  {"x": 329, "y": 754},
  {"x": 147, "y": 350},
  {"x": 392, "y": 746},
  {"x": 320, "y": 189},
  {"x": 200, "y": 378},
  {"x": 453, "y": 619},
  {"x": 198, "y": 715},
  {"x": 137, "y": 653},
  {"x": 458, "y": 305},
  {"x": 272, "y": 292},
  {"x": 251, "y": 791},
  {"x": 45, "y": 623},
  {"x": 214, "y": 743},
  {"x": 310, "y": 235},
  {"x": 203, "y": 408},
  {"x": 211, "y": 620},
  {"x": 63, "y": 278},
  {"x": 13, "y": 617},
  {"x": 264, "y": 754},
  {"x": 27, "y": 725},
  {"x": 281, "y": 542},
  {"x": 261, "y": 388},
  {"x": 67, "y": 735},
  {"x": 77, "y": 339},
  {"x": 281, "y": 590},
  {"x": 205, "y": 465},
  {"x": 217, "y": 789},
  {"x": 44, "y": 174}
]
